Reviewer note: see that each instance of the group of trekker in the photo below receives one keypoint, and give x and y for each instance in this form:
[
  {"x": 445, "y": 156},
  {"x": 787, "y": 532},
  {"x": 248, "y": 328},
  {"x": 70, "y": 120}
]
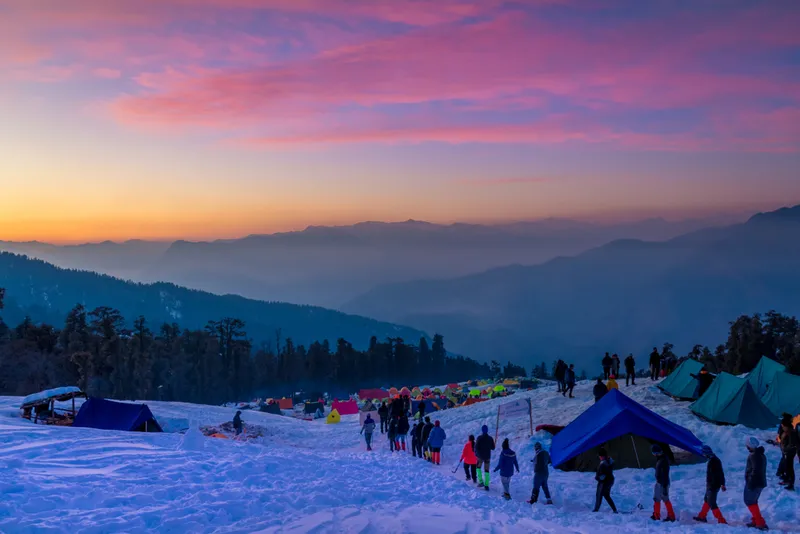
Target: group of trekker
[
  {"x": 427, "y": 437},
  {"x": 565, "y": 377},
  {"x": 661, "y": 364},
  {"x": 611, "y": 369}
]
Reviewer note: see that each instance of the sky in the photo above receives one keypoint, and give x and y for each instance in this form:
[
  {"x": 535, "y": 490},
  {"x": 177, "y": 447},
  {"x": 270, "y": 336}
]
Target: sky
[{"x": 201, "y": 119}]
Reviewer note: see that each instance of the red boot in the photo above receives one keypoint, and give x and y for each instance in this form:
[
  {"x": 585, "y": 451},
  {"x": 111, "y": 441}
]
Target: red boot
[
  {"x": 718, "y": 514},
  {"x": 703, "y": 513},
  {"x": 670, "y": 512},
  {"x": 758, "y": 520},
  {"x": 656, "y": 511},
  {"x": 396, "y": 445},
  {"x": 403, "y": 443}
]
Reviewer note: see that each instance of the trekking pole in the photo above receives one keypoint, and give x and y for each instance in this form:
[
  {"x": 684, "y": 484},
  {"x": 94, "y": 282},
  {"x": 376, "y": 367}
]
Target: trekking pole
[{"x": 457, "y": 466}]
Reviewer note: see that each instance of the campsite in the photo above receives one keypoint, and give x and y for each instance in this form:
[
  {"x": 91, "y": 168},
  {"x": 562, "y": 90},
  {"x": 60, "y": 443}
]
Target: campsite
[{"x": 314, "y": 476}]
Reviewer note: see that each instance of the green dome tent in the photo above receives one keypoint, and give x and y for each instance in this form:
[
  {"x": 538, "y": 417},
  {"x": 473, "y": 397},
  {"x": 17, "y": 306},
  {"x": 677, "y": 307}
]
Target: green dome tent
[
  {"x": 475, "y": 393},
  {"x": 733, "y": 401},
  {"x": 498, "y": 388},
  {"x": 783, "y": 395},
  {"x": 763, "y": 373},
  {"x": 681, "y": 384}
]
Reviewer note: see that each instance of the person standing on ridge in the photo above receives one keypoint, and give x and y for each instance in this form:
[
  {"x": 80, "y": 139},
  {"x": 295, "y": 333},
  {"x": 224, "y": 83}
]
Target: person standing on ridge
[
  {"x": 237, "y": 423},
  {"x": 599, "y": 390},
  {"x": 436, "y": 442},
  {"x": 383, "y": 414},
  {"x": 615, "y": 363},
  {"x": 506, "y": 464},
  {"x": 402, "y": 431},
  {"x": 367, "y": 430},
  {"x": 541, "y": 473},
  {"x": 630, "y": 370},
  {"x": 569, "y": 379},
  {"x": 715, "y": 480},
  {"x": 561, "y": 368},
  {"x": 426, "y": 432},
  {"x": 661, "y": 489},
  {"x": 755, "y": 478},
  {"x": 484, "y": 446},
  {"x": 605, "y": 481},
  {"x": 607, "y": 363},
  {"x": 470, "y": 460},
  {"x": 789, "y": 443},
  {"x": 655, "y": 364}
]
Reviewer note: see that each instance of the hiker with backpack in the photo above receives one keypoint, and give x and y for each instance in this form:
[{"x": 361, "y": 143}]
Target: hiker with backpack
[
  {"x": 383, "y": 414},
  {"x": 506, "y": 464},
  {"x": 484, "y": 446},
  {"x": 541, "y": 473},
  {"x": 755, "y": 478},
  {"x": 661, "y": 489},
  {"x": 470, "y": 460},
  {"x": 402, "y": 431},
  {"x": 605, "y": 481},
  {"x": 436, "y": 442},
  {"x": 367, "y": 429},
  {"x": 715, "y": 480}
]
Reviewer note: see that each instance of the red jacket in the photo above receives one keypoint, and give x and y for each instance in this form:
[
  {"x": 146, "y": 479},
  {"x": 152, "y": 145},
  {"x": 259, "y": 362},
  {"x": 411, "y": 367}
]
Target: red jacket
[{"x": 468, "y": 455}]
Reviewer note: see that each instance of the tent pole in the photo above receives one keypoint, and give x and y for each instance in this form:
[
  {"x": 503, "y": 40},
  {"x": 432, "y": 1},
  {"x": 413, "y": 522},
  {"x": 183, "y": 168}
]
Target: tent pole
[{"x": 636, "y": 452}]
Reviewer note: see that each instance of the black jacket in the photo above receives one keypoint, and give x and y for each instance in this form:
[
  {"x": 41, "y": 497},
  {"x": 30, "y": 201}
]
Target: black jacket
[
  {"x": 788, "y": 437},
  {"x": 599, "y": 391},
  {"x": 630, "y": 364},
  {"x": 705, "y": 380},
  {"x": 426, "y": 431},
  {"x": 484, "y": 446},
  {"x": 662, "y": 470},
  {"x": 755, "y": 473},
  {"x": 655, "y": 359},
  {"x": 237, "y": 422},
  {"x": 569, "y": 377},
  {"x": 403, "y": 426},
  {"x": 715, "y": 476},
  {"x": 605, "y": 472},
  {"x": 607, "y": 361},
  {"x": 561, "y": 368},
  {"x": 419, "y": 430},
  {"x": 383, "y": 411}
]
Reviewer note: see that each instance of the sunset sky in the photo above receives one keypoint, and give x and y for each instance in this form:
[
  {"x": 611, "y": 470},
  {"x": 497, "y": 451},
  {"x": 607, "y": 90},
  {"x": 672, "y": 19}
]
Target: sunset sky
[{"x": 219, "y": 118}]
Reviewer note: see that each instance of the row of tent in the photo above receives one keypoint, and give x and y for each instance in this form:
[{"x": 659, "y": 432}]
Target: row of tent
[
  {"x": 472, "y": 388},
  {"x": 755, "y": 401}
]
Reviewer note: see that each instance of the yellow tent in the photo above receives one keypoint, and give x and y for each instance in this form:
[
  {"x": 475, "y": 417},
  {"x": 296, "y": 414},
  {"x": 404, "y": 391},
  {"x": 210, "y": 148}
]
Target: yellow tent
[{"x": 333, "y": 418}]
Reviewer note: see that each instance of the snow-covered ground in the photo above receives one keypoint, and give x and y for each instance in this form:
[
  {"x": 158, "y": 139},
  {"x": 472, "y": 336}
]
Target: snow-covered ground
[{"x": 312, "y": 477}]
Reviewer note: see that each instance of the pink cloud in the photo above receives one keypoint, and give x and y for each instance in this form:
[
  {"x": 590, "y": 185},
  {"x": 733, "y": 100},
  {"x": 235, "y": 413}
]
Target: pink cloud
[{"x": 110, "y": 74}]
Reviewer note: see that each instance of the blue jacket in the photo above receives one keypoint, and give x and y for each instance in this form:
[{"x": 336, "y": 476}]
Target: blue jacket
[
  {"x": 437, "y": 437},
  {"x": 507, "y": 463}
]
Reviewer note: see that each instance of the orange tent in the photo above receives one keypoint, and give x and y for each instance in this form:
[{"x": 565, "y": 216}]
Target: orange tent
[
  {"x": 286, "y": 404},
  {"x": 392, "y": 391},
  {"x": 472, "y": 400}
]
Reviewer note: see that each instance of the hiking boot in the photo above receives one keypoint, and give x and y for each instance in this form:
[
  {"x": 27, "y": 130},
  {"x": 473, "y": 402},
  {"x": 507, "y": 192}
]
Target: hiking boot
[
  {"x": 669, "y": 520},
  {"x": 549, "y": 501},
  {"x": 507, "y": 496},
  {"x": 789, "y": 488},
  {"x": 700, "y": 519},
  {"x": 532, "y": 501},
  {"x": 486, "y": 488},
  {"x": 654, "y": 517}
]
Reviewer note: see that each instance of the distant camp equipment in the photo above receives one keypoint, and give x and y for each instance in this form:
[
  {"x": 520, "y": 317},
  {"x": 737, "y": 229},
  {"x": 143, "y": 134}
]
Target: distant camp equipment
[
  {"x": 111, "y": 415},
  {"x": 286, "y": 404},
  {"x": 273, "y": 407},
  {"x": 312, "y": 407},
  {"x": 345, "y": 407},
  {"x": 41, "y": 407},
  {"x": 333, "y": 418},
  {"x": 377, "y": 393}
]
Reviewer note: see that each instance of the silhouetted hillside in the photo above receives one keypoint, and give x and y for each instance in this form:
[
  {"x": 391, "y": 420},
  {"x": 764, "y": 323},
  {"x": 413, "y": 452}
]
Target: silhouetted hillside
[
  {"x": 625, "y": 297},
  {"x": 47, "y": 293}
]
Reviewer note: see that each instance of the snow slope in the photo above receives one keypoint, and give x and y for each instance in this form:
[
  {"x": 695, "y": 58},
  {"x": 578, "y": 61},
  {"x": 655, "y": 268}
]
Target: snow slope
[{"x": 311, "y": 477}]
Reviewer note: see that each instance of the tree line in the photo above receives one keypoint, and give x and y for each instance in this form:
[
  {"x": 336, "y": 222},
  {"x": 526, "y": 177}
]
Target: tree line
[{"x": 95, "y": 351}]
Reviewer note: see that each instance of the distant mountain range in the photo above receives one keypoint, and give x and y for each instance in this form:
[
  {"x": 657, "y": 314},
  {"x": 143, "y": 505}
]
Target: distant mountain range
[
  {"x": 329, "y": 266},
  {"x": 626, "y": 296},
  {"x": 46, "y": 293}
]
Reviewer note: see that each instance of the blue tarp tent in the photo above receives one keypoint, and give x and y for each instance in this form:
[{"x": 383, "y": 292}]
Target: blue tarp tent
[
  {"x": 110, "y": 415},
  {"x": 431, "y": 405},
  {"x": 616, "y": 416}
]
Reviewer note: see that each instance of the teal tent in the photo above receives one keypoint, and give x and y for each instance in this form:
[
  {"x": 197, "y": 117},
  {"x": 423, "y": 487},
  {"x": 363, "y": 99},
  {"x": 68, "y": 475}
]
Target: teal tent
[
  {"x": 783, "y": 395},
  {"x": 680, "y": 384},
  {"x": 761, "y": 376},
  {"x": 733, "y": 401}
]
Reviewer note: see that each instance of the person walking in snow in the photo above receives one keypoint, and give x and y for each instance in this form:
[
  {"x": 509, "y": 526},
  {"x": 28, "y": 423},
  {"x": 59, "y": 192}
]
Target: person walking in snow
[
  {"x": 607, "y": 362},
  {"x": 392, "y": 435},
  {"x": 789, "y": 443},
  {"x": 470, "y": 460},
  {"x": 599, "y": 390},
  {"x": 367, "y": 429},
  {"x": 426, "y": 432},
  {"x": 418, "y": 437},
  {"x": 436, "y": 442},
  {"x": 612, "y": 382},
  {"x": 569, "y": 379},
  {"x": 561, "y": 369},
  {"x": 402, "y": 430},
  {"x": 414, "y": 440},
  {"x": 506, "y": 464},
  {"x": 237, "y": 423},
  {"x": 655, "y": 364},
  {"x": 615, "y": 363},
  {"x": 755, "y": 478},
  {"x": 383, "y": 414},
  {"x": 661, "y": 489},
  {"x": 715, "y": 480},
  {"x": 541, "y": 473},
  {"x": 605, "y": 481},
  {"x": 484, "y": 446},
  {"x": 630, "y": 370}
]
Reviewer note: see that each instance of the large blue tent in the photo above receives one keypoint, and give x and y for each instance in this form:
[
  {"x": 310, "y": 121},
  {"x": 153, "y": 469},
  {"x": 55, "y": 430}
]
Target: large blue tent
[
  {"x": 615, "y": 416},
  {"x": 110, "y": 415}
]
